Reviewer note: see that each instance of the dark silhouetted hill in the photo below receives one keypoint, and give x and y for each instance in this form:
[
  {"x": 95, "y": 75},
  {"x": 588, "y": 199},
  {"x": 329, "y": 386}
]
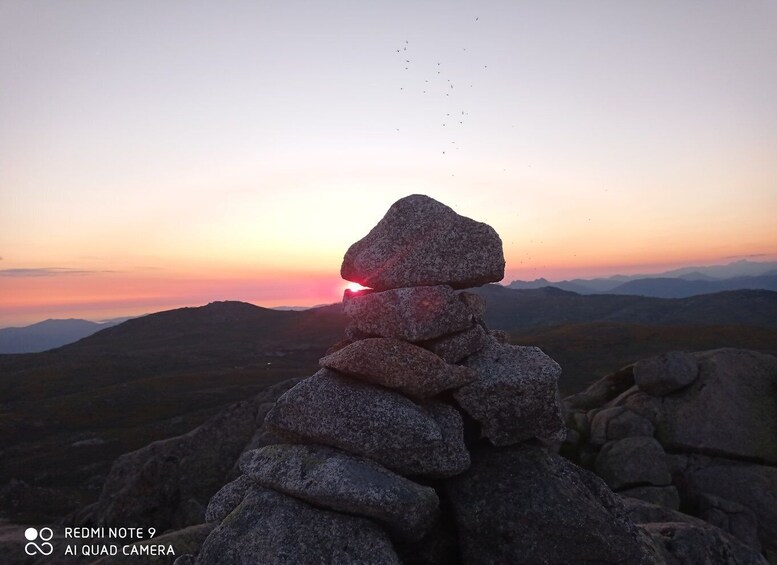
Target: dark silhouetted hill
[{"x": 66, "y": 414}]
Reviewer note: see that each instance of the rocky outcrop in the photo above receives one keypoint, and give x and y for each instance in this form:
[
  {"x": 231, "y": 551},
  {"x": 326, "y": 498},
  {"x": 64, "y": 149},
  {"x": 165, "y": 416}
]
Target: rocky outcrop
[
  {"x": 376, "y": 438},
  {"x": 695, "y": 432},
  {"x": 524, "y": 504},
  {"x": 425, "y": 438},
  {"x": 169, "y": 482}
]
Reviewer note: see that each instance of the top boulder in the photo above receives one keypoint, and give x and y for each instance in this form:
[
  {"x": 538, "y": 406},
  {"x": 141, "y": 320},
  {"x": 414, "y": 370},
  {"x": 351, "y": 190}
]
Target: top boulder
[{"x": 421, "y": 242}]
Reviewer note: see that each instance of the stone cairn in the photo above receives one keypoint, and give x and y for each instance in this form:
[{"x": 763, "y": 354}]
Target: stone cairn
[{"x": 375, "y": 439}]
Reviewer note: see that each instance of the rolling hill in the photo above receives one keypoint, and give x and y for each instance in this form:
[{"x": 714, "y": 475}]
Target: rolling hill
[{"x": 66, "y": 414}]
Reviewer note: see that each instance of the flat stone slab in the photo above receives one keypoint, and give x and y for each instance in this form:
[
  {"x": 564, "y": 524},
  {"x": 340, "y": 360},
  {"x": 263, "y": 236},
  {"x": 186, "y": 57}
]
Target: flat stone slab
[
  {"x": 333, "y": 479},
  {"x": 515, "y": 397},
  {"x": 422, "y": 242},
  {"x": 410, "y": 314},
  {"x": 364, "y": 419},
  {"x": 271, "y": 528},
  {"x": 400, "y": 365}
]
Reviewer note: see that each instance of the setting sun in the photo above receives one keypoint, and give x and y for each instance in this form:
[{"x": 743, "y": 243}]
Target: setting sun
[{"x": 355, "y": 287}]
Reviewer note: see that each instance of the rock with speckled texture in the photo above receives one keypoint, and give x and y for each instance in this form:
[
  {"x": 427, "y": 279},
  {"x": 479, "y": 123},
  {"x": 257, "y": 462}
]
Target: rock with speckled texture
[
  {"x": 422, "y": 242},
  {"x": 229, "y": 496},
  {"x": 332, "y": 479},
  {"x": 523, "y": 504},
  {"x": 633, "y": 461},
  {"x": 364, "y": 419},
  {"x": 396, "y": 364},
  {"x": 410, "y": 314},
  {"x": 456, "y": 346},
  {"x": 666, "y": 373},
  {"x": 275, "y": 529},
  {"x": 515, "y": 397}
]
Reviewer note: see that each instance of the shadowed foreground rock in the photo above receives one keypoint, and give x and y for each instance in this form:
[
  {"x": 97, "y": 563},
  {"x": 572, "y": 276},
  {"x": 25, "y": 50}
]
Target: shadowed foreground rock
[
  {"x": 272, "y": 528},
  {"x": 525, "y": 505},
  {"x": 705, "y": 422},
  {"x": 333, "y": 479}
]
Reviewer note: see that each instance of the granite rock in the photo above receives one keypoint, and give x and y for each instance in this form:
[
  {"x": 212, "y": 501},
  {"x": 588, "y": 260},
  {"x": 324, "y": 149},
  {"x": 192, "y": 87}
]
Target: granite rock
[
  {"x": 332, "y": 479},
  {"x": 618, "y": 422},
  {"x": 422, "y": 242},
  {"x": 665, "y": 373},
  {"x": 633, "y": 461},
  {"x": 515, "y": 397},
  {"x": 274, "y": 529},
  {"x": 410, "y": 314},
  {"x": 454, "y": 347},
  {"x": 688, "y": 544},
  {"x": 227, "y": 498},
  {"x": 364, "y": 419},
  {"x": 396, "y": 364},
  {"x": 522, "y": 504}
]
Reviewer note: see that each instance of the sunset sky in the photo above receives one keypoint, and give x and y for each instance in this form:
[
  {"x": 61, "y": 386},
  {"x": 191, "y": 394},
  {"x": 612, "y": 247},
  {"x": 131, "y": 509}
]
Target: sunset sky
[{"x": 164, "y": 154}]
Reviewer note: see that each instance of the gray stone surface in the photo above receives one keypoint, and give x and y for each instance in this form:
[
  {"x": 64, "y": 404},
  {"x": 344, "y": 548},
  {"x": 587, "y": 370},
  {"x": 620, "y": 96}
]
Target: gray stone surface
[
  {"x": 752, "y": 486},
  {"x": 642, "y": 512},
  {"x": 454, "y": 347},
  {"x": 522, "y": 504},
  {"x": 410, "y": 314},
  {"x": 618, "y": 422},
  {"x": 372, "y": 421},
  {"x": 602, "y": 391},
  {"x": 730, "y": 409},
  {"x": 332, "y": 479},
  {"x": 422, "y": 242},
  {"x": 691, "y": 544},
  {"x": 157, "y": 483},
  {"x": 274, "y": 529},
  {"x": 730, "y": 517},
  {"x": 633, "y": 461},
  {"x": 399, "y": 365},
  {"x": 515, "y": 397},
  {"x": 665, "y": 373},
  {"x": 227, "y": 498},
  {"x": 667, "y": 496}
]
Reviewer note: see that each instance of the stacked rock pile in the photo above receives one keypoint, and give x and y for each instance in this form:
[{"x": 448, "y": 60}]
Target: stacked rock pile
[
  {"x": 421, "y": 438},
  {"x": 380, "y": 418}
]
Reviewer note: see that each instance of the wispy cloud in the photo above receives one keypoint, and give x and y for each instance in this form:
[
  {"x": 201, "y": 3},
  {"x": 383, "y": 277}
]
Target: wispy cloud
[
  {"x": 751, "y": 256},
  {"x": 45, "y": 272}
]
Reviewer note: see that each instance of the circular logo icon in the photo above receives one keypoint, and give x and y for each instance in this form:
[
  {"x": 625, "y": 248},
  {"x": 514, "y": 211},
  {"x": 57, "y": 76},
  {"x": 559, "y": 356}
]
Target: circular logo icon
[{"x": 44, "y": 535}]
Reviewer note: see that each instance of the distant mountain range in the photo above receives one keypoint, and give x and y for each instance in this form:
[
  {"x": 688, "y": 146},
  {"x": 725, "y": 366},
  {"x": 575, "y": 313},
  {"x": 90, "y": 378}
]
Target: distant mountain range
[
  {"x": 678, "y": 283},
  {"x": 49, "y": 334}
]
